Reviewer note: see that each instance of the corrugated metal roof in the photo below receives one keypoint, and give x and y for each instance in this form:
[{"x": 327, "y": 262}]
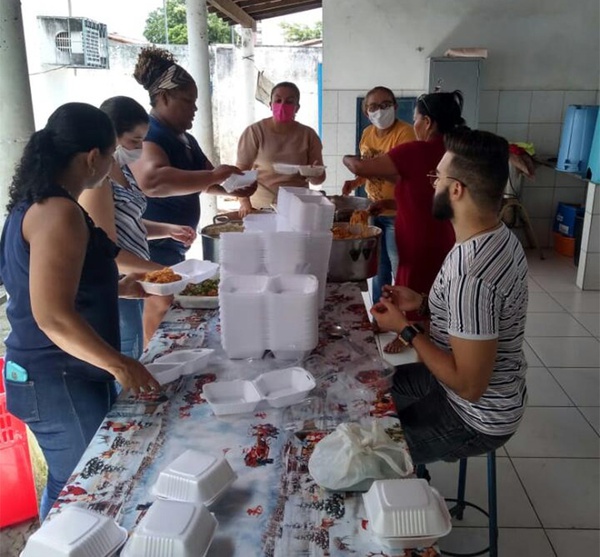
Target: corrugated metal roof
[{"x": 264, "y": 9}]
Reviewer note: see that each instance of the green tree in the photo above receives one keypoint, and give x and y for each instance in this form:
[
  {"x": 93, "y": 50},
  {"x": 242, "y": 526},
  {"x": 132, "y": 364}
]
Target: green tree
[
  {"x": 299, "y": 32},
  {"x": 218, "y": 30}
]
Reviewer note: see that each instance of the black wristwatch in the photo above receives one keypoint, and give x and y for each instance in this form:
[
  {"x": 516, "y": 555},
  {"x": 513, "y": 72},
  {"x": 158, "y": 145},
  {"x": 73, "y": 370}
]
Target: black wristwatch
[{"x": 409, "y": 333}]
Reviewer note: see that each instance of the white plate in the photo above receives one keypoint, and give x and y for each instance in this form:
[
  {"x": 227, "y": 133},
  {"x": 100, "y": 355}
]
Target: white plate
[
  {"x": 166, "y": 289},
  {"x": 197, "y": 302},
  {"x": 288, "y": 169}
]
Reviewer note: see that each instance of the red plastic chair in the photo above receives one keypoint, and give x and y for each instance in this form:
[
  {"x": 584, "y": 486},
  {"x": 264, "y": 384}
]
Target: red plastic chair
[{"x": 18, "y": 499}]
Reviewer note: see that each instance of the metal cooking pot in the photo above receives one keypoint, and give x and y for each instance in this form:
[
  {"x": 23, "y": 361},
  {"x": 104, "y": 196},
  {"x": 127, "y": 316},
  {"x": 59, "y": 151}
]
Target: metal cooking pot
[
  {"x": 345, "y": 205},
  {"x": 221, "y": 223},
  {"x": 211, "y": 233},
  {"x": 354, "y": 259}
]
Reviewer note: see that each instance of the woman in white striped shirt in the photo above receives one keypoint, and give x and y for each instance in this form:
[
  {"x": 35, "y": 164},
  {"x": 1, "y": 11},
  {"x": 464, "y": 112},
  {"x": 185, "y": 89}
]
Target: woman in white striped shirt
[{"x": 117, "y": 207}]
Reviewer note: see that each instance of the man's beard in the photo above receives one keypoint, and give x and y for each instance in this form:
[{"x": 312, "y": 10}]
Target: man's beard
[{"x": 442, "y": 208}]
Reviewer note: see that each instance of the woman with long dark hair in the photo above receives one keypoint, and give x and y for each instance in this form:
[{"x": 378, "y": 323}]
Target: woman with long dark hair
[{"x": 62, "y": 353}]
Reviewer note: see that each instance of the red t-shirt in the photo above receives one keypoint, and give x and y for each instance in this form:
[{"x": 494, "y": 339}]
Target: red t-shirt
[{"x": 422, "y": 240}]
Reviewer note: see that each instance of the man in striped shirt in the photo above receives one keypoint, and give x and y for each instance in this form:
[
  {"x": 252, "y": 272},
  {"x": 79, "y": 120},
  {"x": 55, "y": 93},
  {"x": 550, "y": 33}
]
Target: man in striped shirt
[{"x": 467, "y": 394}]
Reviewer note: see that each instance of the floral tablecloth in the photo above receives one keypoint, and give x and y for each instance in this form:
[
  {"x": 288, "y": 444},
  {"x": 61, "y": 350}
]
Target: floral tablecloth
[{"x": 274, "y": 508}]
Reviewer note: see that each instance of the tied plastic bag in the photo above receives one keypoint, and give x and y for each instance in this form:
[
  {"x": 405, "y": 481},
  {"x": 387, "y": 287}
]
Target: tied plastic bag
[{"x": 351, "y": 458}]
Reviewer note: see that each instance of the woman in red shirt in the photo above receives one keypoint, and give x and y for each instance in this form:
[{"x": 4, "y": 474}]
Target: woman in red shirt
[{"x": 422, "y": 240}]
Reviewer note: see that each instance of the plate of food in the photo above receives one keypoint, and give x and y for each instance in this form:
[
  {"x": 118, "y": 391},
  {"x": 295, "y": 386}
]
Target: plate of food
[
  {"x": 164, "y": 282},
  {"x": 204, "y": 295}
]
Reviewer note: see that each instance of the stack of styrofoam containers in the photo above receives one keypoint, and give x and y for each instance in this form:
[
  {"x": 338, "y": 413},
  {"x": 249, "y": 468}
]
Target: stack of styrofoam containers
[
  {"x": 243, "y": 315},
  {"x": 278, "y": 313},
  {"x": 241, "y": 254},
  {"x": 311, "y": 213},
  {"x": 292, "y": 315},
  {"x": 286, "y": 253}
]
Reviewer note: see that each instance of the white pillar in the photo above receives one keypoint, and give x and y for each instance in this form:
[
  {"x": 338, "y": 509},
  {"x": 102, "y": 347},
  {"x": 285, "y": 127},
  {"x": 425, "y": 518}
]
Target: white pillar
[
  {"x": 199, "y": 67},
  {"x": 16, "y": 111},
  {"x": 249, "y": 74}
]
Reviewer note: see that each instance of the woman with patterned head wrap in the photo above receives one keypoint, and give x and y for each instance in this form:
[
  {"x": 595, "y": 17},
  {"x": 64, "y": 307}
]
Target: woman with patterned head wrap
[{"x": 172, "y": 170}]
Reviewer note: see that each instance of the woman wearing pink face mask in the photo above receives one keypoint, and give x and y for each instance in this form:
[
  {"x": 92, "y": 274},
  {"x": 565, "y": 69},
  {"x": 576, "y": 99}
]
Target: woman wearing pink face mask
[{"x": 278, "y": 139}]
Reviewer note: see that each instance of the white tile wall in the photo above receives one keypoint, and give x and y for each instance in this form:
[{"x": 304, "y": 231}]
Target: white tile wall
[
  {"x": 538, "y": 202},
  {"x": 591, "y": 279},
  {"x": 329, "y": 138},
  {"x": 547, "y": 106},
  {"x": 513, "y": 132},
  {"x": 488, "y": 107},
  {"x": 347, "y": 106},
  {"x": 569, "y": 195},
  {"x": 579, "y": 97},
  {"x": 514, "y": 106},
  {"x": 346, "y": 139},
  {"x": 330, "y": 107},
  {"x": 545, "y": 137}
]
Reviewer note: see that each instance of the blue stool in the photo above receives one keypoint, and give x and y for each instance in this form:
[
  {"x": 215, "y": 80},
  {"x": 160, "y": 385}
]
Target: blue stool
[{"x": 458, "y": 509}]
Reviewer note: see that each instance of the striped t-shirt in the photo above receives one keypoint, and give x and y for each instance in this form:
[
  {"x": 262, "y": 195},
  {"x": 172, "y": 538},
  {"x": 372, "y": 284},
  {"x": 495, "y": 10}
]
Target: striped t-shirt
[
  {"x": 130, "y": 204},
  {"x": 481, "y": 293}
]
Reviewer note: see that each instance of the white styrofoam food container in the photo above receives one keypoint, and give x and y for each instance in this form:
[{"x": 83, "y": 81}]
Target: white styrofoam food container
[
  {"x": 195, "y": 477},
  {"x": 165, "y": 372},
  {"x": 76, "y": 532},
  {"x": 187, "y": 361},
  {"x": 311, "y": 171},
  {"x": 172, "y": 529},
  {"x": 238, "y": 181},
  {"x": 288, "y": 169},
  {"x": 197, "y": 302},
  {"x": 196, "y": 269},
  {"x": 279, "y": 388},
  {"x": 406, "y": 513},
  {"x": 167, "y": 288},
  {"x": 284, "y": 387},
  {"x": 231, "y": 397}
]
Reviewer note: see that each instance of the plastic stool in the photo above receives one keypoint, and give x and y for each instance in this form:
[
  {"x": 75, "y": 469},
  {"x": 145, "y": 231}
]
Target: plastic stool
[
  {"x": 492, "y": 513},
  {"x": 18, "y": 499}
]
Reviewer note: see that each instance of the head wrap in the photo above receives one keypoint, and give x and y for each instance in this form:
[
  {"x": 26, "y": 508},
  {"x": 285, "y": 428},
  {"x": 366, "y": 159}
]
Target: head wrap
[{"x": 173, "y": 77}]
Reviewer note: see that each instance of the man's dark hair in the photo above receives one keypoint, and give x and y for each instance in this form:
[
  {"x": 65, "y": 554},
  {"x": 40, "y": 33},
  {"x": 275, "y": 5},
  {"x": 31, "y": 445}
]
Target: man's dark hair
[{"x": 480, "y": 161}]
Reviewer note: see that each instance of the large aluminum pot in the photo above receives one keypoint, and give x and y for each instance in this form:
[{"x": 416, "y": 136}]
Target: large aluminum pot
[
  {"x": 211, "y": 233},
  {"x": 345, "y": 205},
  {"x": 354, "y": 259},
  {"x": 225, "y": 222}
]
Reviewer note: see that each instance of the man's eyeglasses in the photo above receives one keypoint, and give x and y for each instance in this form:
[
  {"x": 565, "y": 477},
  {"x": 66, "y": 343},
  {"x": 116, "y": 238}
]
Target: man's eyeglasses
[
  {"x": 372, "y": 107},
  {"x": 434, "y": 177}
]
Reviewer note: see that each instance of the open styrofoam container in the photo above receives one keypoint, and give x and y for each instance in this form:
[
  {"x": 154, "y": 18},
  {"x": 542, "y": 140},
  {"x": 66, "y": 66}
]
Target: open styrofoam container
[
  {"x": 238, "y": 181},
  {"x": 406, "y": 513},
  {"x": 311, "y": 171},
  {"x": 76, "y": 532},
  {"x": 231, "y": 397},
  {"x": 195, "y": 477},
  {"x": 284, "y": 387},
  {"x": 189, "y": 361},
  {"x": 281, "y": 387},
  {"x": 165, "y": 372},
  {"x": 172, "y": 529},
  {"x": 196, "y": 270},
  {"x": 167, "y": 288}
]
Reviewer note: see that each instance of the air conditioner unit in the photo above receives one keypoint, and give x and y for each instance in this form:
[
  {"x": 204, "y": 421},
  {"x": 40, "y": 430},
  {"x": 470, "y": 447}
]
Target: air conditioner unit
[{"x": 74, "y": 42}]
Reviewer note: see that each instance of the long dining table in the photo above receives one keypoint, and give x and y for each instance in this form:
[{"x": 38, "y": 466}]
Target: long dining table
[{"x": 274, "y": 508}]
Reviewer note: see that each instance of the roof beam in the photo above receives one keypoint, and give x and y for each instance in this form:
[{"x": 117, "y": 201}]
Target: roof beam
[{"x": 231, "y": 10}]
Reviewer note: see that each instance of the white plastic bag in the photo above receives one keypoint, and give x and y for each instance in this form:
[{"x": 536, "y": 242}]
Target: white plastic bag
[{"x": 350, "y": 458}]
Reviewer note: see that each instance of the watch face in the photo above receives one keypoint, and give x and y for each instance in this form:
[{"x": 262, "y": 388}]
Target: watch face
[{"x": 408, "y": 334}]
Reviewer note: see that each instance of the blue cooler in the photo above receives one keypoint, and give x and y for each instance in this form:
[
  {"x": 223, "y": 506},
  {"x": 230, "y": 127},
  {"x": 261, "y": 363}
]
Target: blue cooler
[
  {"x": 594, "y": 163},
  {"x": 576, "y": 139}
]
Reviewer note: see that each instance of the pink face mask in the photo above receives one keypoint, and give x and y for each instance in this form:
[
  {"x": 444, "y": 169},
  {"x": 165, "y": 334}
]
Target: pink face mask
[{"x": 283, "y": 112}]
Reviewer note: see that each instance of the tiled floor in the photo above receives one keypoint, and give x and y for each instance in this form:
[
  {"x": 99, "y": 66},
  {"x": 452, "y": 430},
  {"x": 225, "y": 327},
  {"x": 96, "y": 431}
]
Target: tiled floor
[{"x": 549, "y": 473}]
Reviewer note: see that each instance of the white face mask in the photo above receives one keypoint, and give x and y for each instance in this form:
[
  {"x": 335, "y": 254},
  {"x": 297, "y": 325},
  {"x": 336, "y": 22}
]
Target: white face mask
[
  {"x": 126, "y": 156},
  {"x": 383, "y": 119}
]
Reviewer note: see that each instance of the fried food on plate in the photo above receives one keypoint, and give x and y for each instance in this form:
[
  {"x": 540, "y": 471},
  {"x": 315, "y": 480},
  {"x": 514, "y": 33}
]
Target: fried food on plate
[{"x": 162, "y": 276}]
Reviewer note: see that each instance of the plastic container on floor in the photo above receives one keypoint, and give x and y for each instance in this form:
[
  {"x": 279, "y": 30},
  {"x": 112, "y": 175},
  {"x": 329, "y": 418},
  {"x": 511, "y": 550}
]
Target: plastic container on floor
[
  {"x": 18, "y": 500},
  {"x": 565, "y": 245}
]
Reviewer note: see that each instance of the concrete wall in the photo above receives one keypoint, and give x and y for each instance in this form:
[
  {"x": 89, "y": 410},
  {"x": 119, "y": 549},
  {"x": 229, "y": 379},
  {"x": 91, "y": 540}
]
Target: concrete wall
[
  {"x": 52, "y": 86},
  {"x": 543, "y": 56}
]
